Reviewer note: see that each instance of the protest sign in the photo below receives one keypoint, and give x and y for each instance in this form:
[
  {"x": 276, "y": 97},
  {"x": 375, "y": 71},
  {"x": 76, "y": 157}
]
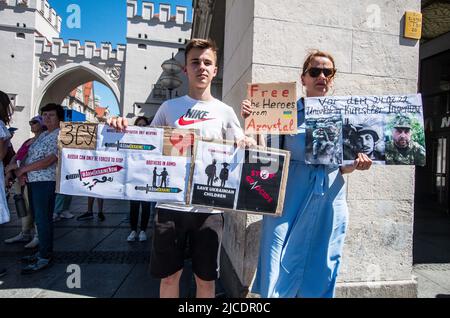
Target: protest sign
[
  {"x": 274, "y": 109},
  {"x": 156, "y": 164},
  {"x": 96, "y": 160},
  {"x": 246, "y": 180},
  {"x": 388, "y": 129}
]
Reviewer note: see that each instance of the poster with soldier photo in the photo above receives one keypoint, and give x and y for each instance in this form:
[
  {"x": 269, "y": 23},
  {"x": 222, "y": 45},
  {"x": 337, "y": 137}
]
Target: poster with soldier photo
[
  {"x": 324, "y": 140},
  {"x": 217, "y": 173},
  {"x": 363, "y": 134},
  {"x": 388, "y": 129},
  {"x": 405, "y": 140}
]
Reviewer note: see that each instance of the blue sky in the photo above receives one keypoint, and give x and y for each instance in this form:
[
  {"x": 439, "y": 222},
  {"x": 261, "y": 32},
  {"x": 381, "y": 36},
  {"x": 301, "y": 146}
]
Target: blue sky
[{"x": 103, "y": 21}]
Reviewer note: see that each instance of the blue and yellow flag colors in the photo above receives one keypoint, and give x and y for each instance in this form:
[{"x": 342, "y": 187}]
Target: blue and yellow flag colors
[{"x": 287, "y": 114}]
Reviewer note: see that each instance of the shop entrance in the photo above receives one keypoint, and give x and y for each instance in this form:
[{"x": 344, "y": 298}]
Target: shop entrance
[{"x": 433, "y": 180}]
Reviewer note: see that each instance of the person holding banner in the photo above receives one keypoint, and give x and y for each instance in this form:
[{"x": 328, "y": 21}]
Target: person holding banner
[
  {"x": 300, "y": 252},
  {"x": 176, "y": 224}
]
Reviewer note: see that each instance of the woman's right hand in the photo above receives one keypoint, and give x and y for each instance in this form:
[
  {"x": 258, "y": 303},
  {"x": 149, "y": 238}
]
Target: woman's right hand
[
  {"x": 119, "y": 123},
  {"x": 246, "y": 108}
]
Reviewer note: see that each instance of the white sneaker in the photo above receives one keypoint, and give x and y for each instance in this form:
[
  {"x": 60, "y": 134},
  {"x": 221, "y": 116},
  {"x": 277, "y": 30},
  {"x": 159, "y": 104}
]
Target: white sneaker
[
  {"x": 56, "y": 217},
  {"x": 19, "y": 238},
  {"x": 142, "y": 236},
  {"x": 34, "y": 242},
  {"x": 66, "y": 215},
  {"x": 132, "y": 236}
]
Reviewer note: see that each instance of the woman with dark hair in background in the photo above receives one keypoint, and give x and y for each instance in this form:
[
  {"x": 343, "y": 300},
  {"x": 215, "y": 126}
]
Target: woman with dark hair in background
[{"x": 40, "y": 168}]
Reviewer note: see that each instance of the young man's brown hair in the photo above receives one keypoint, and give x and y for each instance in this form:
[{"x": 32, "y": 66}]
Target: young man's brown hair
[{"x": 200, "y": 44}]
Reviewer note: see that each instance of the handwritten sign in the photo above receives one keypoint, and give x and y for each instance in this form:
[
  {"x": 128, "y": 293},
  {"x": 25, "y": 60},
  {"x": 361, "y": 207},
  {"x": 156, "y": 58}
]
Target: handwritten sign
[
  {"x": 388, "y": 129},
  {"x": 274, "y": 109},
  {"x": 78, "y": 135}
]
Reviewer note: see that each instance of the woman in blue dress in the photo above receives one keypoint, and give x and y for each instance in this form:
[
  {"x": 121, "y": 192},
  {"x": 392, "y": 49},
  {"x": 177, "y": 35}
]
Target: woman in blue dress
[{"x": 300, "y": 252}]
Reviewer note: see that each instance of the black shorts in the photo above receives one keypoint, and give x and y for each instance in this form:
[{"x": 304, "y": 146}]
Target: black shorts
[{"x": 179, "y": 235}]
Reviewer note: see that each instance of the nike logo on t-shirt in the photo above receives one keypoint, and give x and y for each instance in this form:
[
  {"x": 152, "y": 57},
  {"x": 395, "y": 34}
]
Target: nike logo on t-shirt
[{"x": 192, "y": 117}]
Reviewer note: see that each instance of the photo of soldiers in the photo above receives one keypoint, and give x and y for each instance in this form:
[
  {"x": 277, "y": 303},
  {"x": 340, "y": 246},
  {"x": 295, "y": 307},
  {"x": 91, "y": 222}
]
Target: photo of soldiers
[
  {"x": 401, "y": 149},
  {"x": 364, "y": 136},
  {"x": 323, "y": 141}
]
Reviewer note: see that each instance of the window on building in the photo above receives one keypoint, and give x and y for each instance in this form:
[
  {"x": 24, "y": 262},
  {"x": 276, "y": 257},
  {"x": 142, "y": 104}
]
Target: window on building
[
  {"x": 142, "y": 46},
  {"x": 164, "y": 13},
  {"x": 20, "y": 35}
]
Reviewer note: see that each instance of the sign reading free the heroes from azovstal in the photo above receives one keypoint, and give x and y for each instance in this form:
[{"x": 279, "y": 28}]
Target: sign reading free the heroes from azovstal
[
  {"x": 155, "y": 164},
  {"x": 274, "y": 108}
]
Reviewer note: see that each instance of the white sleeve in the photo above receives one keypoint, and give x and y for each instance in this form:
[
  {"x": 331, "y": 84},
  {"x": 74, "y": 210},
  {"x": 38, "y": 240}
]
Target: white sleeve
[
  {"x": 234, "y": 130},
  {"x": 160, "y": 116}
]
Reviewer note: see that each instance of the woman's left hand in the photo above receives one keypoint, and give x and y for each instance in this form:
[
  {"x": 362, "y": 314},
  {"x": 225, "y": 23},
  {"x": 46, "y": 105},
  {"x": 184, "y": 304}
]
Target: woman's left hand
[{"x": 362, "y": 162}]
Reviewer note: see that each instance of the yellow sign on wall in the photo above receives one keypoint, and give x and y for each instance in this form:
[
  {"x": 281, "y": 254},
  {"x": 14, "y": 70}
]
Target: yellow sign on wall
[{"x": 413, "y": 25}]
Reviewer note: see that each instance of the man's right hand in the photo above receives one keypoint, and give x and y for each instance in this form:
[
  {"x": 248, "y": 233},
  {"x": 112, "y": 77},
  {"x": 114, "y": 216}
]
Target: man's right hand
[
  {"x": 246, "y": 108},
  {"x": 119, "y": 123}
]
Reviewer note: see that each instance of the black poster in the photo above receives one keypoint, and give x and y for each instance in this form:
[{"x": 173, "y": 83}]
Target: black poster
[{"x": 260, "y": 181}]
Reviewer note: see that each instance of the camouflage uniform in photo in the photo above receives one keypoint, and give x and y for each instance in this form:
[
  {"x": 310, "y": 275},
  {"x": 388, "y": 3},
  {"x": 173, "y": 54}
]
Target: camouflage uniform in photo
[{"x": 414, "y": 154}]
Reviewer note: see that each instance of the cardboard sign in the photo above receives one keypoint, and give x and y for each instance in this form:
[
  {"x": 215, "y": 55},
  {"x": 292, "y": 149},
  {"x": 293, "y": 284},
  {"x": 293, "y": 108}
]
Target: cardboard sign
[
  {"x": 388, "y": 129},
  {"x": 78, "y": 135},
  {"x": 274, "y": 109},
  {"x": 244, "y": 180}
]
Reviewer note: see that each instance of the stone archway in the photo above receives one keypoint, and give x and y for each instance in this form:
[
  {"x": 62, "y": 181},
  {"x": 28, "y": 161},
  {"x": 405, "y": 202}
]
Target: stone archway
[{"x": 64, "y": 79}]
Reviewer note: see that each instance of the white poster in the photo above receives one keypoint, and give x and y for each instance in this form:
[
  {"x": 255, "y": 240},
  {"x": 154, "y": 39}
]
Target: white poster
[
  {"x": 93, "y": 173},
  {"x": 388, "y": 129},
  {"x": 157, "y": 178},
  {"x": 133, "y": 139}
]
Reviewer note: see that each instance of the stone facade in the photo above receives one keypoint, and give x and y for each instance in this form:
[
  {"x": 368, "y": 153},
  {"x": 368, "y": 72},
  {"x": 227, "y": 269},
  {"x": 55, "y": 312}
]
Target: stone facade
[{"x": 267, "y": 41}]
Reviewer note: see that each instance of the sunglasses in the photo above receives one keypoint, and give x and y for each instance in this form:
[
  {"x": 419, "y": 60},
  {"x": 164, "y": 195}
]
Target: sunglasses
[
  {"x": 32, "y": 122},
  {"x": 316, "y": 71}
]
